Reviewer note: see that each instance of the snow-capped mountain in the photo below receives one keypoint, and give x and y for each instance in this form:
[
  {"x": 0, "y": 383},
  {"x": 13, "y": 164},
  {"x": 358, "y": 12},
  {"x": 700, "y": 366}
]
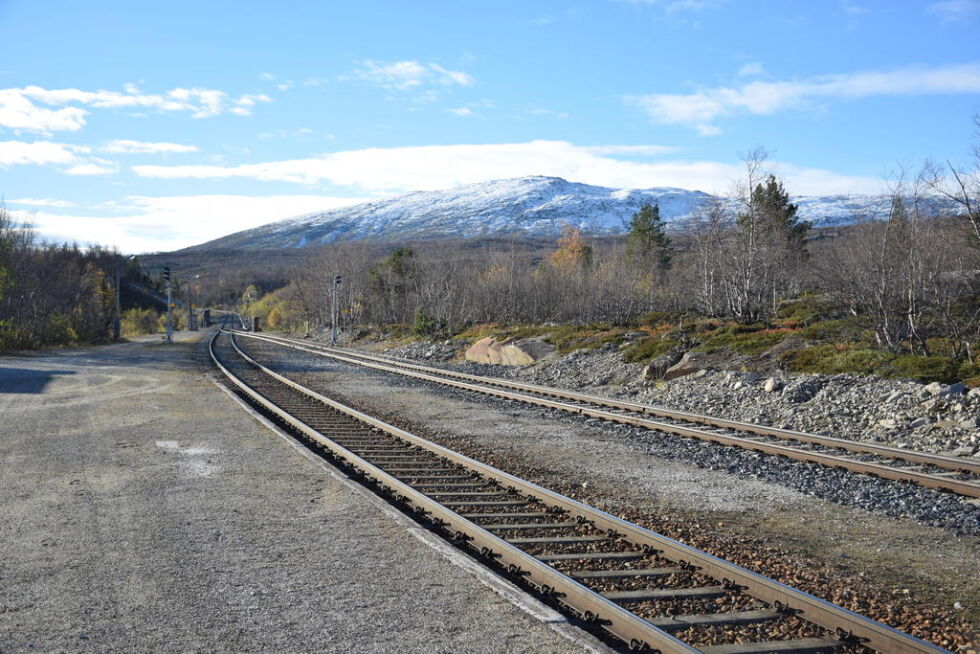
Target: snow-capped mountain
[{"x": 537, "y": 206}]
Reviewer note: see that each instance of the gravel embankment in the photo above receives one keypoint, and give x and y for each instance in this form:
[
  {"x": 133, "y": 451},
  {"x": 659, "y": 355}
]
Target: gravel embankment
[{"x": 932, "y": 418}]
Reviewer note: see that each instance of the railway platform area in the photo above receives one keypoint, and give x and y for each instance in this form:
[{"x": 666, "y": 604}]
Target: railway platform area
[{"x": 141, "y": 509}]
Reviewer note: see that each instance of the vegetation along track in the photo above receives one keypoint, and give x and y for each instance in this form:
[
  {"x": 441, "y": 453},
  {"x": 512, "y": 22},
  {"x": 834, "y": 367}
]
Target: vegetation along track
[
  {"x": 645, "y": 590},
  {"x": 958, "y": 475}
]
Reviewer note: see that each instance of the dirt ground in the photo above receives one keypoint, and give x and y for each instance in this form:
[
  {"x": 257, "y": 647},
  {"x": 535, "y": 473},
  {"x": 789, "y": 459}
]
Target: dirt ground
[
  {"x": 894, "y": 569},
  {"x": 141, "y": 509}
]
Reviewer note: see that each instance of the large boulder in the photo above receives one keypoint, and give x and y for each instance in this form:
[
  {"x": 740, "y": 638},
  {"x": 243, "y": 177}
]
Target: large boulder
[
  {"x": 658, "y": 367},
  {"x": 688, "y": 364},
  {"x": 479, "y": 352},
  {"x": 508, "y": 352},
  {"x": 524, "y": 351}
]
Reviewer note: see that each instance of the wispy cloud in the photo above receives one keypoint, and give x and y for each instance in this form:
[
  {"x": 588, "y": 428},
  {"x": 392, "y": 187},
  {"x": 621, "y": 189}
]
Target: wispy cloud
[
  {"x": 540, "y": 111},
  {"x": 407, "y": 75},
  {"x": 460, "y": 111},
  {"x": 393, "y": 170},
  {"x": 43, "y": 202},
  {"x": 700, "y": 109},
  {"x": 123, "y": 146},
  {"x": 143, "y": 223},
  {"x": 70, "y": 159},
  {"x": 751, "y": 69},
  {"x": 951, "y": 11},
  {"x": 19, "y": 108}
]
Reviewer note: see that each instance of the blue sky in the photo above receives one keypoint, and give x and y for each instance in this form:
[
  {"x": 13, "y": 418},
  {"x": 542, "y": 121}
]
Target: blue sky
[{"x": 151, "y": 126}]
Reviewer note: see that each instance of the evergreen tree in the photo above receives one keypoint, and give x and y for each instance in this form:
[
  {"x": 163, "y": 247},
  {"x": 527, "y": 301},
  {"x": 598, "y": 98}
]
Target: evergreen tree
[
  {"x": 646, "y": 237},
  {"x": 774, "y": 214}
]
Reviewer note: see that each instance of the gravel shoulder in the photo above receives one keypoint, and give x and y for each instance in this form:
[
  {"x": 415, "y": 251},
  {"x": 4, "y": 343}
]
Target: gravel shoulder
[
  {"x": 912, "y": 575},
  {"x": 141, "y": 509}
]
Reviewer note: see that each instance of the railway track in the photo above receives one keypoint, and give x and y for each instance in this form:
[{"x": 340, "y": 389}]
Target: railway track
[
  {"x": 648, "y": 592},
  {"x": 957, "y": 475}
]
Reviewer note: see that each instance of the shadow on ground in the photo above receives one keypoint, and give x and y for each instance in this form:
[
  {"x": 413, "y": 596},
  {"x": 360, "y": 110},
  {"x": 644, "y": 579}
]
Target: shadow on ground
[{"x": 26, "y": 380}]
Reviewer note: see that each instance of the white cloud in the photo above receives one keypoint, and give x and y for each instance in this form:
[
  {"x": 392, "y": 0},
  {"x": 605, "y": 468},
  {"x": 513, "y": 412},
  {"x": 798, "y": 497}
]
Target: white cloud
[
  {"x": 43, "y": 202},
  {"x": 19, "y": 108},
  {"x": 73, "y": 159},
  {"x": 123, "y": 146},
  {"x": 267, "y": 77},
  {"x": 461, "y": 111},
  {"x": 560, "y": 115},
  {"x": 405, "y": 75},
  {"x": 94, "y": 167},
  {"x": 315, "y": 81},
  {"x": 38, "y": 153},
  {"x": 701, "y": 108},
  {"x": 951, "y": 11},
  {"x": 143, "y": 224},
  {"x": 751, "y": 69},
  {"x": 392, "y": 170},
  {"x": 631, "y": 150},
  {"x": 19, "y": 113}
]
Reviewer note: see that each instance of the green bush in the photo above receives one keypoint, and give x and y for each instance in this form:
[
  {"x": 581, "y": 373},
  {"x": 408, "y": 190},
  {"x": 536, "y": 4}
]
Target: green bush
[
  {"x": 924, "y": 369},
  {"x": 424, "y": 325},
  {"x": 806, "y": 309},
  {"x": 649, "y": 348},
  {"x": 136, "y": 322}
]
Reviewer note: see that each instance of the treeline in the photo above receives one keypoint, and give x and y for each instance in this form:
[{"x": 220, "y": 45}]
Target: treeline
[
  {"x": 909, "y": 280},
  {"x": 54, "y": 294}
]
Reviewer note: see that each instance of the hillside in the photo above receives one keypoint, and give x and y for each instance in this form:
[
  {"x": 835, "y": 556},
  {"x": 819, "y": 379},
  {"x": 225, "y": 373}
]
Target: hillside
[{"x": 537, "y": 206}]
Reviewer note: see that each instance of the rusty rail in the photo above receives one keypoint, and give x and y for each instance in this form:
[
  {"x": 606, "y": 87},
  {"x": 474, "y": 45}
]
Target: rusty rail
[
  {"x": 490, "y": 386},
  {"x": 630, "y": 628}
]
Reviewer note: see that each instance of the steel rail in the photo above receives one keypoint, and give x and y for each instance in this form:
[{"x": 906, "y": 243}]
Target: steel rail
[
  {"x": 624, "y": 625},
  {"x": 912, "y": 456},
  {"x": 846, "y": 623},
  {"x": 961, "y": 487}
]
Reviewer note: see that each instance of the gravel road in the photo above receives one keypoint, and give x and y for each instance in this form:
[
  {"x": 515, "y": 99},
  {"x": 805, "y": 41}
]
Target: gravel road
[{"x": 141, "y": 509}]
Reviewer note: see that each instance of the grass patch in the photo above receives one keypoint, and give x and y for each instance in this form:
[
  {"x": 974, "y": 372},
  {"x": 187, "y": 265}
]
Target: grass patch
[
  {"x": 649, "y": 348},
  {"x": 837, "y": 359},
  {"x": 805, "y": 310},
  {"x": 745, "y": 339}
]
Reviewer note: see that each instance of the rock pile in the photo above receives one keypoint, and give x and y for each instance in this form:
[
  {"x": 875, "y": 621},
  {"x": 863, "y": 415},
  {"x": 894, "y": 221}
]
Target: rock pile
[{"x": 933, "y": 417}]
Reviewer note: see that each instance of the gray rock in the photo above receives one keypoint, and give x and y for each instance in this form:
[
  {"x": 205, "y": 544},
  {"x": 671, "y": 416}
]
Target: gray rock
[
  {"x": 921, "y": 422},
  {"x": 752, "y": 376},
  {"x": 935, "y": 388},
  {"x": 956, "y": 389},
  {"x": 658, "y": 367},
  {"x": 771, "y": 385},
  {"x": 888, "y": 423},
  {"x": 894, "y": 395}
]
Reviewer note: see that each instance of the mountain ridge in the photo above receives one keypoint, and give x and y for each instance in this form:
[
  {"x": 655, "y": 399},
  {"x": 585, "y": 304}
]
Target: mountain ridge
[{"x": 537, "y": 205}]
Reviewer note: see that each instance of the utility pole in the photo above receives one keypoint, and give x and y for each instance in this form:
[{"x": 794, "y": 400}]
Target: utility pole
[
  {"x": 191, "y": 318},
  {"x": 117, "y": 319},
  {"x": 170, "y": 304},
  {"x": 333, "y": 310}
]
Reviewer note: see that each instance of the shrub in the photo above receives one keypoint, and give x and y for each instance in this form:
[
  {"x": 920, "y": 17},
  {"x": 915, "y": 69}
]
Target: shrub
[
  {"x": 649, "y": 348},
  {"x": 424, "y": 325},
  {"x": 139, "y": 321}
]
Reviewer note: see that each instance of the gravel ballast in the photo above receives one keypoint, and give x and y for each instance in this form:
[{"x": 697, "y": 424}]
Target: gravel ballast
[{"x": 911, "y": 575}]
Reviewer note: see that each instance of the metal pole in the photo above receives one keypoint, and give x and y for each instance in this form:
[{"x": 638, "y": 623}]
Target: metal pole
[
  {"x": 170, "y": 313},
  {"x": 117, "y": 319},
  {"x": 333, "y": 310},
  {"x": 190, "y": 309}
]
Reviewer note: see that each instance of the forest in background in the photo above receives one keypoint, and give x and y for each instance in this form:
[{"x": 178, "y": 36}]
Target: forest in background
[{"x": 897, "y": 295}]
